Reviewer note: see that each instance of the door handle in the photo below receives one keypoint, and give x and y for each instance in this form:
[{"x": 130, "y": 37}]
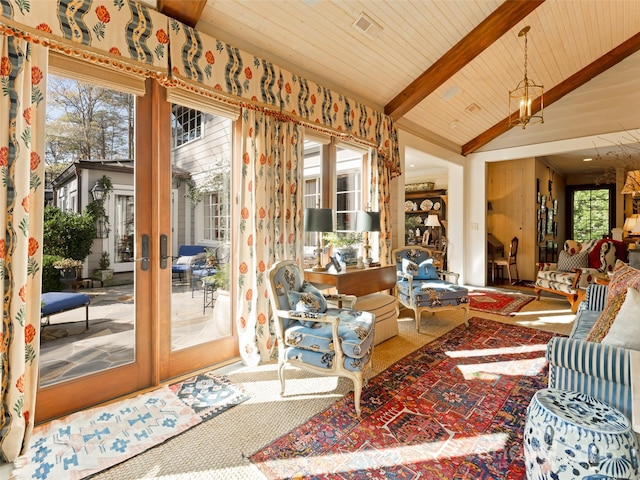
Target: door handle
[
  {"x": 163, "y": 251},
  {"x": 144, "y": 261}
]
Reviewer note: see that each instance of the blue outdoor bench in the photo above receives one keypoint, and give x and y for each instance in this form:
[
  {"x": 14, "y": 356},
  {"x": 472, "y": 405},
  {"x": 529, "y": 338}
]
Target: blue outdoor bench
[{"x": 58, "y": 302}]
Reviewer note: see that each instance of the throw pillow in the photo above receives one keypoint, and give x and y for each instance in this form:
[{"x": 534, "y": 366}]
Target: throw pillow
[
  {"x": 308, "y": 299},
  {"x": 572, "y": 247},
  {"x": 427, "y": 271},
  {"x": 625, "y": 331},
  {"x": 567, "y": 262},
  {"x": 409, "y": 267},
  {"x": 623, "y": 277},
  {"x": 185, "y": 260}
]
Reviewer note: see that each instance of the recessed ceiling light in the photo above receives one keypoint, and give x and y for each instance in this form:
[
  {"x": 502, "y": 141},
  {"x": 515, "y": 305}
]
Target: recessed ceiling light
[
  {"x": 587, "y": 159},
  {"x": 412, "y": 165},
  {"x": 452, "y": 92},
  {"x": 453, "y": 124}
]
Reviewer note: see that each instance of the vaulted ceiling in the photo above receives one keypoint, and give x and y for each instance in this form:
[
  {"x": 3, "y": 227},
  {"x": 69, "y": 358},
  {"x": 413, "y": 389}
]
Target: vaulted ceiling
[{"x": 443, "y": 68}]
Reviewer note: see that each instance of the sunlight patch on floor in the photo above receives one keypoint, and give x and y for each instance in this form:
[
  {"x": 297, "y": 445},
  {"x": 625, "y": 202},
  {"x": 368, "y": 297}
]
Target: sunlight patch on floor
[
  {"x": 493, "y": 370},
  {"x": 370, "y": 458},
  {"x": 497, "y": 351}
]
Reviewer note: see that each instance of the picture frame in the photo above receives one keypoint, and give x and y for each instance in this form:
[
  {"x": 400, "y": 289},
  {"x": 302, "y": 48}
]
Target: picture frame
[{"x": 335, "y": 263}]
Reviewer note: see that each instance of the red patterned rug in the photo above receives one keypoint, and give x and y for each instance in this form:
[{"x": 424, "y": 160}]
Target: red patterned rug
[
  {"x": 497, "y": 303},
  {"x": 453, "y": 409}
]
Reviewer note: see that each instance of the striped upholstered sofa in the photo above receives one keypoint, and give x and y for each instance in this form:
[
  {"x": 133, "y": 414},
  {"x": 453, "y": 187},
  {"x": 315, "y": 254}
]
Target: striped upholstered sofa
[{"x": 596, "y": 369}]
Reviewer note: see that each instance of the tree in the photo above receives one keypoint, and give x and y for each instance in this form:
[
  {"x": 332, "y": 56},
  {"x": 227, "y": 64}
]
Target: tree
[{"x": 87, "y": 122}]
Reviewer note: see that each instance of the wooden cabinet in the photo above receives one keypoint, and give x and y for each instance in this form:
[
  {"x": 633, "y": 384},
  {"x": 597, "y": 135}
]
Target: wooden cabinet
[{"x": 418, "y": 206}]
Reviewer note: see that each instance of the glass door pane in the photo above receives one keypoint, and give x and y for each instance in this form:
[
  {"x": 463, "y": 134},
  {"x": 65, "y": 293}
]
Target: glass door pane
[
  {"x": 90, "y": 344},
  {"x": 201, "y": 150}
]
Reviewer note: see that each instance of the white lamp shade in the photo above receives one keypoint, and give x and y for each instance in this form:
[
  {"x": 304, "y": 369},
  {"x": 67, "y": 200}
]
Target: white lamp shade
[
  {"x": 432, "y": 221},
  {"x": 632, "y": 224}
]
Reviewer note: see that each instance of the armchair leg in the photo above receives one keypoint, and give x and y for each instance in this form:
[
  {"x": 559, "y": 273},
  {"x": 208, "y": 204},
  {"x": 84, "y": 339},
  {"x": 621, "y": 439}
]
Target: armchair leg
[
  {"x": 281, "y": 377},
  {"x": 357, "y": 391}
]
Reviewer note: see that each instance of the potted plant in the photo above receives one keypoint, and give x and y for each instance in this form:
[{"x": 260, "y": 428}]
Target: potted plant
[
  {"x": 344, "y": 244},
  {"x": 70, "y": 270},
  {"x": 104, "y": 273}
]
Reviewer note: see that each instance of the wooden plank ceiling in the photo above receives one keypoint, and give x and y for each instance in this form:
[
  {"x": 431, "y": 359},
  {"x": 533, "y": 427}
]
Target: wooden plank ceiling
[{"x": 443, "y": 68}]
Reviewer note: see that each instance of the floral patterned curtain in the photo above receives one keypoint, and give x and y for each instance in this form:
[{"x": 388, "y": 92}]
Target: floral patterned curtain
[
  {"x": 380, "y": 196},
  {"x": 270, "y": 224},
  {"x": 23, "y": 71}
]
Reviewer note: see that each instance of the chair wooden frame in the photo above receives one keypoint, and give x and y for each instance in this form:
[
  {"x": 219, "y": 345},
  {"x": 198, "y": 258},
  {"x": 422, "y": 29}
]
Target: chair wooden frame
[
  {"x": 345, "y": 301},
  {"x": 508, "y": 262},
  {"x": 573, "y": 298},
  {"x": 419, "y": 310}
]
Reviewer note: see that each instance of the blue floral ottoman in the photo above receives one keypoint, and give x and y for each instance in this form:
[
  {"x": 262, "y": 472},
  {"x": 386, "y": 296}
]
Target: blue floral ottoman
[{"x": 570, "y": 435}]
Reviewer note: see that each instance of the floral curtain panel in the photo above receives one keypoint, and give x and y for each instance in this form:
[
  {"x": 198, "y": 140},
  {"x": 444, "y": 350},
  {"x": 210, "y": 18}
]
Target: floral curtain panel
[
  {"x": 123, "y": 33},
  {"x": 23, "y": 72},
  {"x": 380, "y": 193},
  {"x": 270, "y": 222}
]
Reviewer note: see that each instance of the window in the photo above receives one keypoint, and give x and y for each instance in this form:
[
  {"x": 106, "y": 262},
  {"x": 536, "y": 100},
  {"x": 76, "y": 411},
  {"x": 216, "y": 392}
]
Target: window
[
  {"x": 591, "y": 212},
  {"x": 348, "y": 188},
  {"x": 186, "y": 125},
  {"x": 216, "y": 218}
]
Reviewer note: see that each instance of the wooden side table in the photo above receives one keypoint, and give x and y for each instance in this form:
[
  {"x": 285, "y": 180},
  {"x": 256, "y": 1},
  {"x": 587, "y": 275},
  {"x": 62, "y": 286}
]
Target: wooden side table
[{"x": 355, "y": 281}]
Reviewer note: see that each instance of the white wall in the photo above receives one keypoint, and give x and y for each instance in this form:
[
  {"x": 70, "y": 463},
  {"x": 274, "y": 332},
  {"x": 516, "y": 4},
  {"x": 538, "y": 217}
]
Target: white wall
[{"x": 438, "y": 157}]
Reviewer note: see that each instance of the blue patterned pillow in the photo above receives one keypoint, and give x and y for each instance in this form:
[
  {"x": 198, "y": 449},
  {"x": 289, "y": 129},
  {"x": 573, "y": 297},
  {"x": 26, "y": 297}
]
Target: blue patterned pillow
[
  {"x": 308, "y": 299},
  {"x": 425, "y": 271}
]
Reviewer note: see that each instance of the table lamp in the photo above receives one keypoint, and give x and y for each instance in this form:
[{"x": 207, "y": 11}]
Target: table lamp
[
  {"x": 632, "y": 225},
  {"x": 367, "y": 222},
  {"x": 318, "y": 220},
  {"x": 432, "y": 221}
]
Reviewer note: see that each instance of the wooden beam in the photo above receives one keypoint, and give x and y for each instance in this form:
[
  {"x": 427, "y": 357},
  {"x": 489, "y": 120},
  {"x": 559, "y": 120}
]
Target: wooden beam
[
  {"x": 602, "y": 64},
  {"x": 505, "y": 17},
  {"x": 185, "y": 11}
]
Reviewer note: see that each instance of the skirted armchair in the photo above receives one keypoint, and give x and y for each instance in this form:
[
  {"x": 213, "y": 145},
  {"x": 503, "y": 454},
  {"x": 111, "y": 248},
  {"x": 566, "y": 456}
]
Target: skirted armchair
[
  {"x": 579, "y": 264},
  {"x": 315, "y": 335},
  {"x": 423, "y": 288}
]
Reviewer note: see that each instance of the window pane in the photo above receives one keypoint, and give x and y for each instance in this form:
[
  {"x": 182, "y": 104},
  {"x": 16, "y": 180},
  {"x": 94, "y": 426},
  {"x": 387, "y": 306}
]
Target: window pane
[
  {"x": 201, "y": 170},
  {"x": 590, "y": 214}
]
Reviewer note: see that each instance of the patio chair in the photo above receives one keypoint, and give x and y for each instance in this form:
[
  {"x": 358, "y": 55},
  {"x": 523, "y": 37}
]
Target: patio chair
[{"x": 325, "y": 340}]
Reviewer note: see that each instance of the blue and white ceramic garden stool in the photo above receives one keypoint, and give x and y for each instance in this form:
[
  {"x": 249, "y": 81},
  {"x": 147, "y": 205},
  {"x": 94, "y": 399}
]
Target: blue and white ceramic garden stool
[{"x": 570, "y": 435}]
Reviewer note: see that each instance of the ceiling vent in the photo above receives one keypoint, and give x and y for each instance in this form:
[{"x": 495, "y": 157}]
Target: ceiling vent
[
  {"x": 473, "y": 108},
  {"x": 367, "y": 25}
]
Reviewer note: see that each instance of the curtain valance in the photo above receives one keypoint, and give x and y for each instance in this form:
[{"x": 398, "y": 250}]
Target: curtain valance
[{"x": 133, "y": 37}]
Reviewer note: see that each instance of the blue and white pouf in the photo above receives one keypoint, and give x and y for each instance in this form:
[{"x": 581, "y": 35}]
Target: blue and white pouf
[{"x": 570, "y": 435}]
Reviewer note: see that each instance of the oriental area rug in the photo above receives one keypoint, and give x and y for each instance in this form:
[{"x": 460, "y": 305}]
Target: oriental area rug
[
  {"x": 455, "y": 408},
  {"x": 498, "y": 303},
  {"x": 92, "y": 440}
]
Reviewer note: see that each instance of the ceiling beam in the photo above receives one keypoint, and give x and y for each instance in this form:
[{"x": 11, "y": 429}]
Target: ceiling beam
[
  {"x": 503, "y": 19},
  {"x": 185, "y": 11},
  {"x": 602, "y": 64}
]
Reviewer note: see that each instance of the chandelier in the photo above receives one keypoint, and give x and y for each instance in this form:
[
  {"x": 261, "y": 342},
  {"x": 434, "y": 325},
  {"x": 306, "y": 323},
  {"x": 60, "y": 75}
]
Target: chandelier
[{"x": 525, "y": 101}]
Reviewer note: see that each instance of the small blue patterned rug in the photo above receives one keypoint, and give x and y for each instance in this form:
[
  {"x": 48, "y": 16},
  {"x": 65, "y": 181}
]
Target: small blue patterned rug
[{"x": 92, "y": 440}]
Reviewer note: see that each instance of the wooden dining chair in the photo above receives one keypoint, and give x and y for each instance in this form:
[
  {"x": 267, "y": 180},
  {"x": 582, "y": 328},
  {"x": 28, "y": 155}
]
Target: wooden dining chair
[{"x": 508, "y": 262}]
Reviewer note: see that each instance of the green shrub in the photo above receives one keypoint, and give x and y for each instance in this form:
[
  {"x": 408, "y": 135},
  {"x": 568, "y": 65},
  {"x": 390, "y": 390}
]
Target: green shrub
[
  {"x": 50, "y": 274},
  {"x": 68, "y": 234}
]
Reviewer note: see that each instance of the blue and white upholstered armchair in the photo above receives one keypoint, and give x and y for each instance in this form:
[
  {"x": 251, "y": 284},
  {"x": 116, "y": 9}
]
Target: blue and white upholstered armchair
[
  {"x": 423, "y": 288},
  {"x": 315, "y": 336}
]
